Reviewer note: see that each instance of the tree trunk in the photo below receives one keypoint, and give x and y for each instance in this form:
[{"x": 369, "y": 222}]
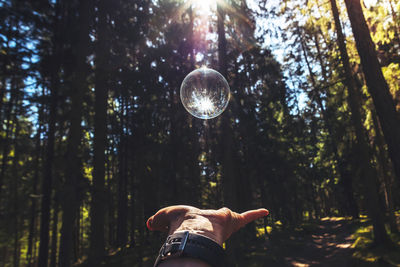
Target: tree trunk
[
  {"x": 79, "y": 234},
  {"x": 386, "y": 174},
  {"x": 14, "y": 190},
  {"x": 110, "y": 198},
  {"x": 3, "y": 83},
  {"x": 77, "y": 77},
  {"x": 54, "y": 235},
  {"x": 5, "y": 141},
  {"x": 48, "y": 175},
  {"x": 100, "y": 138},
  {"x": 226, "y": 140},
  {"x": 32, "y": 219},
  {"x": 122, "y": 219},
  {"x": 75, "y": 235},
  {"x": 49, "y": 155},
  {"x": 8, "y": 112},
  {"x": 376, "y": 83},
  {"x": 366, "y": 169},
  {"x": 132, "y": 213}
]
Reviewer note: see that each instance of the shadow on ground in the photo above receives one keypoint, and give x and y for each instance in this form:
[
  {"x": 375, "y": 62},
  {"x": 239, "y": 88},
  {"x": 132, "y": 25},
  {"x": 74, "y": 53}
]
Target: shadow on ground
[{"x": 329, "y": 242}]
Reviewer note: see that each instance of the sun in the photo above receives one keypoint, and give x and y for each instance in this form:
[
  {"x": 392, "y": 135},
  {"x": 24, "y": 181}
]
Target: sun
[
  {"x": 205, "y": 105},
  {"x": 201, "y": 103},
  {"x": 204, "y": 6}
]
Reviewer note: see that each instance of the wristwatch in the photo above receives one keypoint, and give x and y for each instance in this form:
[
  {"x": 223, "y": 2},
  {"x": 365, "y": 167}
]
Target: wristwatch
[{"x": 185, "y": 244}]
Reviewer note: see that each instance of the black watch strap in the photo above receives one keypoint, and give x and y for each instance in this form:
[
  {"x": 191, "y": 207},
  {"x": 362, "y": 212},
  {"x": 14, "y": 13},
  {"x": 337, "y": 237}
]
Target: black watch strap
[{"x": 185, "y": 244}]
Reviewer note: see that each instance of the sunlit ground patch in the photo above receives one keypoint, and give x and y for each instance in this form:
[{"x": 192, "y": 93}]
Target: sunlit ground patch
[{"x": 365, "y": 252}]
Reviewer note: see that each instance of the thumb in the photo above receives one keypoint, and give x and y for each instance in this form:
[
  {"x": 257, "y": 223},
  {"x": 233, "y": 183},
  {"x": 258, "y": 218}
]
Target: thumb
[{"x": 252, "y": 215}]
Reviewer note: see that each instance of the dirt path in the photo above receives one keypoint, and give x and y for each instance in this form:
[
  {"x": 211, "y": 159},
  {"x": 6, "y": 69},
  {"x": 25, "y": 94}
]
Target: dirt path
[{"x": 326, "y": 244}]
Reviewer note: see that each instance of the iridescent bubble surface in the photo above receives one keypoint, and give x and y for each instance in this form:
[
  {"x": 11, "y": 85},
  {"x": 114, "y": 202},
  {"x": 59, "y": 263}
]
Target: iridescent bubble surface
[{"x": 205, "y": 93}]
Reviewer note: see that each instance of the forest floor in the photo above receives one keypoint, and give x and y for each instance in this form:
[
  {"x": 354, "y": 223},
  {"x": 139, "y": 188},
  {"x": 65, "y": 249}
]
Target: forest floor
[{"x": 329, "y": 242}]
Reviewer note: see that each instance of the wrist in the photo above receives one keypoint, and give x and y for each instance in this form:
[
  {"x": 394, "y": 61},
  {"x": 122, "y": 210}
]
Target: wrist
[
  {"x": 183, "y": 262},
  {"x": 200, "y": 225},
  {"x": 214, "y": 237},
  {"x": 190, "y": 248}
]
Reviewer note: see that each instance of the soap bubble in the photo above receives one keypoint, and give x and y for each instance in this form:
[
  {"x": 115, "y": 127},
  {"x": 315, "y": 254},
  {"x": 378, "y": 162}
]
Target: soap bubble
[{"x": 205, "y": 93}]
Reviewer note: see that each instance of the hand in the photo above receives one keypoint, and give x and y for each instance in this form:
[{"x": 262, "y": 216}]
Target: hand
[{"x": 218, "y": 225}]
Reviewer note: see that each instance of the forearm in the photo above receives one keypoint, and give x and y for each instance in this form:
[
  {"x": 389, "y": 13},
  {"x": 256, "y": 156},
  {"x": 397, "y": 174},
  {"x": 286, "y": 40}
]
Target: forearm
[{"x": 183, "y": 262}]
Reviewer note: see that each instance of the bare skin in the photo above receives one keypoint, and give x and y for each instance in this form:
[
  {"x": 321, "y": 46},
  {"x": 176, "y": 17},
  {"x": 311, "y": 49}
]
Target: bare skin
[{"x": 218, "y": 225}]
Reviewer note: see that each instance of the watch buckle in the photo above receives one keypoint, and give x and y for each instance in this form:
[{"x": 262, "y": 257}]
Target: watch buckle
[{"x": 180, "y": 250}]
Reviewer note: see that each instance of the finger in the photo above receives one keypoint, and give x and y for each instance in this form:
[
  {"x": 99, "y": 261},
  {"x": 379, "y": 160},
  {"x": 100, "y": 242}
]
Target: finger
[
  {"x": 251, "y": 215},
  {"x": 159, "y": 221}
]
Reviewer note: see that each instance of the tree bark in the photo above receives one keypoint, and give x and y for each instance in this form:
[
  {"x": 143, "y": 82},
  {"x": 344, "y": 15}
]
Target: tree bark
[
  {"x": 77, "y": 77},
  {"x": 100, "y": 138},
  {"x": 365, "y": 168},
  {"x": 14, "y": 190},
  {"x": 110, "y": 162},
  {"x": 9, "y": 129},
  {"x": 54, "y": 233},
  {"x": 8, "y": 110},
  {"x": 386, "y": 173},
  {"x": 227, "y": 139},
  {"x": 48, "y": 174},
  {"x": 122, "y": 219},
  {"x": 376, "y": 83},
  {"x": 49, "y": 155},
  {"x": 32, "y": 219}
]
